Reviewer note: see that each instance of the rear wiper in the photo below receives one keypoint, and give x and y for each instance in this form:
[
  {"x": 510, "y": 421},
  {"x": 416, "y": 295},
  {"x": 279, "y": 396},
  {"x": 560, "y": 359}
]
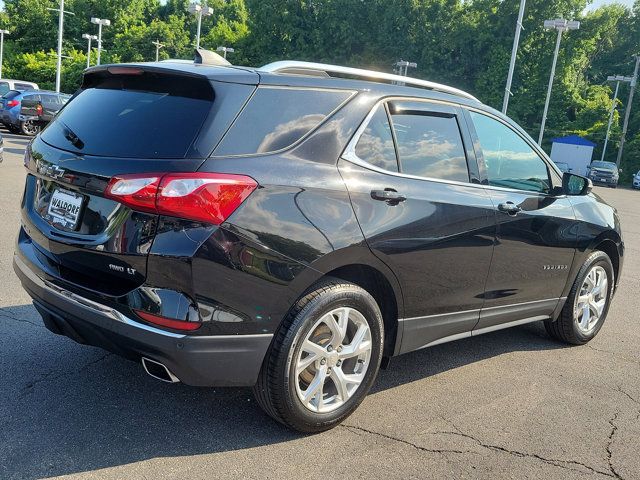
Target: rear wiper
[{"x": 72, "y": 137}]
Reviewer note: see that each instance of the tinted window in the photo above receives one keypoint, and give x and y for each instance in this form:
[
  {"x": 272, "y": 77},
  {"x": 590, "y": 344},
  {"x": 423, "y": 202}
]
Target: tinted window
[
  {"x": 49, "y": 100},
  {"x": 11, "y": 94},
  {"x": 4, "y": 88},
  {"x": 510, "y": 162},
  {"x": 375, "y": 146},
  {"x": 276, "y": 118},
  {"x": 23, "y": 86},
  {"x": 138, "y": 117},
  {"x": 430, "y": 146}
]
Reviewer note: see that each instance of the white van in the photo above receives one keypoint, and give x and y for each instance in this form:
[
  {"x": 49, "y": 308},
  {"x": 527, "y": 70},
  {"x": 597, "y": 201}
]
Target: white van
[{"x": 21, "y": 85}]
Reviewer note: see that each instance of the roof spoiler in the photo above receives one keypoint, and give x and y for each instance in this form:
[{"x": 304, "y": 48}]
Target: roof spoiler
[{"x": 207, "y": 57}]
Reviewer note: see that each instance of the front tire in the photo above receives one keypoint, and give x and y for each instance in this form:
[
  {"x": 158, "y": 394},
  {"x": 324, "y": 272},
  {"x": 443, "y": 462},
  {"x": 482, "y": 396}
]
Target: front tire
[
  {"x": 323, "y": 359},
  {"x": 588, "y": 302}
]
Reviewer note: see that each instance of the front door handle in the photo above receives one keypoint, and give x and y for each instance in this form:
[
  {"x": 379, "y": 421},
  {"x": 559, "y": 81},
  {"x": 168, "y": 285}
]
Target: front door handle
[
  {"x": 388, "y": 195},
  {"x": 509, "y": 208}
]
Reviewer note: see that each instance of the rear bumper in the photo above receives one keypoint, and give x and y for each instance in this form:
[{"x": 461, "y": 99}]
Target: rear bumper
[{"x": 224, "y": 360}]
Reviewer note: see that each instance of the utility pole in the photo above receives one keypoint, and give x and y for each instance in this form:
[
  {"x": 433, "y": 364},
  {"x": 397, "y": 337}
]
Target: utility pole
[
  {"x": 634, "y": 82},
  {"x": 514, "y": 54},
  {"x": 561, "y": 25},
  {"x": 2, "y": 34},
  {"x": 617, "y": 79},
  {"x": 100, "y": 22},
  {"x": 158, "y": 47},
  {"x": 61, "y": 11},
  {"x": 199, "y": 11},
  {"x": 89, "y": 37}
]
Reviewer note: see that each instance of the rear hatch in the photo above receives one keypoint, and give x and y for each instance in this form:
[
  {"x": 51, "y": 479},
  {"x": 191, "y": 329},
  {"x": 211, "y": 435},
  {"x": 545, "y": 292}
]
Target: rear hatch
[
  {"x": 124, "y": 121},
  {"x": 31, "y": 106}
]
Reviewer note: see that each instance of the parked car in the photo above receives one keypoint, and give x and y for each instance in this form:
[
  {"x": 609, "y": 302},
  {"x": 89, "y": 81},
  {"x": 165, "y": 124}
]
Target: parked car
[
  {"x": 1, "y": 148},
  {"x": 290, "y": 230},
  {"x": 563, "y": 166},
  {"x": 636, "y": 180},
  {"x": 7, "y": 85},
  {"x": 604, "y": 173},
  {"x": 38, "y": 109},
  {"x": 10, "y": 111}
]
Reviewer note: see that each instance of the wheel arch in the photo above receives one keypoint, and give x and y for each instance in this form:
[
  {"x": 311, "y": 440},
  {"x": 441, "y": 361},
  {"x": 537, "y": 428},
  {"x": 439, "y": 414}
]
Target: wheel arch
[{"x": 359, "y": 266}]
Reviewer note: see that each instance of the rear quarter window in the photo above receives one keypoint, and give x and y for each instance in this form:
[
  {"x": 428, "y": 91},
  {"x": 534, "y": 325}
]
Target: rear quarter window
[{"x": 277, "y": 117}]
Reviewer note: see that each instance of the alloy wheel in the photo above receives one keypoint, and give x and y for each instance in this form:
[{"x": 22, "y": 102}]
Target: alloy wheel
[
  {"x": 592, "y": 300},
  {"x": 333, "y": 360}
]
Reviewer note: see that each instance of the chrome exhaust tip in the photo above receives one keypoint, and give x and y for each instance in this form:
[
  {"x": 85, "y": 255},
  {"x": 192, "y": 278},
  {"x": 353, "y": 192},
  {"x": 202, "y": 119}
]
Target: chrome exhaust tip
[{"x": 158, "y": 371}]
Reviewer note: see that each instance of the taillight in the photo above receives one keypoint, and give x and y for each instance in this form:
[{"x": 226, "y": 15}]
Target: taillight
[
  {"x": 168, "y": 322},
  {"x": 13, "y": 103},
  {"x": 204, "y": 197},
  {"x": 39, "y": 110}
]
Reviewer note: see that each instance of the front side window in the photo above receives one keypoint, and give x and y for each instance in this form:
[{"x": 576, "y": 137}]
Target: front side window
[
  {"x": 430, "y": 145},
  {"x": 509, "y": 160},
  {"x": 276, "y": 118},
  {"x": 375, "y": 145}
]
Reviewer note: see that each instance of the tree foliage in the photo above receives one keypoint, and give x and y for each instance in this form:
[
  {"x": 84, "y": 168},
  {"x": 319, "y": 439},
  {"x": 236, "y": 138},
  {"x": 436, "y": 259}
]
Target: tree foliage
[{"x": 463, "y": 43}]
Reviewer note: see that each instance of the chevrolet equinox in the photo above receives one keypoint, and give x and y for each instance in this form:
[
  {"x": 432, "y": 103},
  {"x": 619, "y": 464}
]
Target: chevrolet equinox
[{"x": 292, "y": 227}]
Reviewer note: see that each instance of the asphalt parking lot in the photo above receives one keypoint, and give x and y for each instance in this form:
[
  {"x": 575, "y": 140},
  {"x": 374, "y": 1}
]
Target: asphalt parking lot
[{"x": 511, "y": 404}]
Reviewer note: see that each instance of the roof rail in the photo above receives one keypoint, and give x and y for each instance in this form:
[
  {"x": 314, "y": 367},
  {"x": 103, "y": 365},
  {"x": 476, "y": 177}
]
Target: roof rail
[{"x": 324, "y": 70}]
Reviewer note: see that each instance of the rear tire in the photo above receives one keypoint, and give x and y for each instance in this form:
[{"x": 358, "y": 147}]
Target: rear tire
[
  {"x": 29, "y": 128},
  {"x": 588, "y": 302},
  {"x": 323, "y": 359}
]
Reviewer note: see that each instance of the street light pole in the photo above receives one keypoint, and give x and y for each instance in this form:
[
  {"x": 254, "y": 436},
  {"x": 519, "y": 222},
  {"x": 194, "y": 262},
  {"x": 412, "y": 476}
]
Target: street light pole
[
  {"x": 199, "y": 11},
  {"x": 2, "y": 34},
  {"x": 158, "y": 47},
  {"x": 634, "y": 82},
  {"x": 613, "y": 109},
  {"x": 617, "y": 79},
  {"x": 100, "y": 22},
  {"x": 561, "y": 25},
  {"x": 89, "y": 37},
  {"x": 514, "y": 54}
]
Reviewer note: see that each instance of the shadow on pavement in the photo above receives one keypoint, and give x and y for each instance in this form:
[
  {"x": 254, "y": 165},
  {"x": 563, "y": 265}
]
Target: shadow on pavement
[{"x": 69, "y": 408}]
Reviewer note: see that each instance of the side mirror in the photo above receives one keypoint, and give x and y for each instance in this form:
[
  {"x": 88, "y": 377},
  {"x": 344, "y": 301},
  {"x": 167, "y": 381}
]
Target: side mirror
[{"x": 576, "y": 185}]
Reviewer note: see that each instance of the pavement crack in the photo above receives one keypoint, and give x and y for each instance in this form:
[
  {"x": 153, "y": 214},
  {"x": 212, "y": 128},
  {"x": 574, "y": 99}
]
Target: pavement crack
[
  {"x": 565, "y": 464},
  {"x": 612, "y": 434},
  {"x": 48, "y": 376},
  {"x": 405, "y": 442},
  {"x": 21, "y": 320}
]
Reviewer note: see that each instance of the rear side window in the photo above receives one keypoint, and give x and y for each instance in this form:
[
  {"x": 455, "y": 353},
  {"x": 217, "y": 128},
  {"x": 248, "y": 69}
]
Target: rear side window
[
  {"x": 24, "y": 86},
  {"x": 276, "y": 118},
  {"x": 136, "y": 116},
  {"x": 4, "y": 88},
  {"x": 430, "y": 145},
  {"x": 375, "y": 145}
]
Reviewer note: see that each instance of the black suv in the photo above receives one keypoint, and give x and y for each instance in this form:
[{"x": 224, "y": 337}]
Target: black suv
[{"x": 292, "y": 227}]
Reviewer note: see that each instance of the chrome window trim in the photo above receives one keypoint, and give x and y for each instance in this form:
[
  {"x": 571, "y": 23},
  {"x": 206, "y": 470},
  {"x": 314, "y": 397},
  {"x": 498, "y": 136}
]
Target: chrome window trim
[{"x": 350, "y": 155}]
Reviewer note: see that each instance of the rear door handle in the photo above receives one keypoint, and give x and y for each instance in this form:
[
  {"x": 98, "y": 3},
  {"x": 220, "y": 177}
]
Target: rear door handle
[
  {"x": 388, "y": 195},
  {"x": 509, "y": 208}
]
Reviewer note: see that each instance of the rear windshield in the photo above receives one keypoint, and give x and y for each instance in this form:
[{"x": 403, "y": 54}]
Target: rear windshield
[
  {"x": 133, "y": 116},
  {"x": 11, "y": 94}
]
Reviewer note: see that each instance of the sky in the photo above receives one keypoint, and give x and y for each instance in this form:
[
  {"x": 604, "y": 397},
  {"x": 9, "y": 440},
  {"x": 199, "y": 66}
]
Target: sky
[{"x": 599, "y": 3}]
